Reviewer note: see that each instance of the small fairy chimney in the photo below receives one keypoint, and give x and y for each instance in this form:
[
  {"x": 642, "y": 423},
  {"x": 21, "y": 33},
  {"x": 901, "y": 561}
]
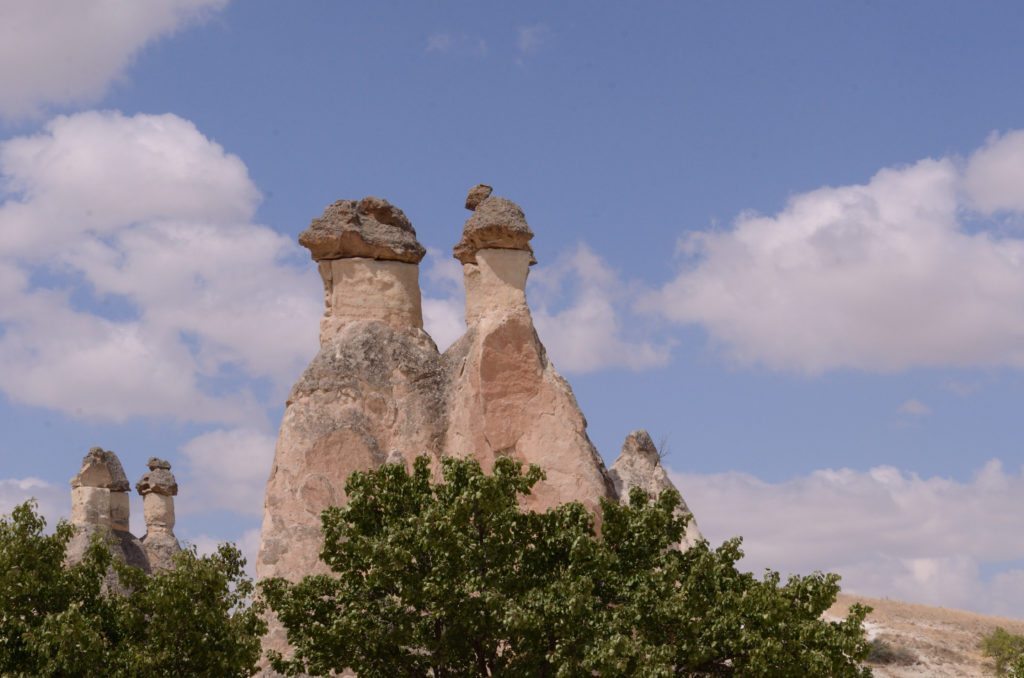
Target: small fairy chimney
[
  {"x": 158, "y": 488},
  {"x": 100, "y": 504},
  {"x": 368, "y": 257}
]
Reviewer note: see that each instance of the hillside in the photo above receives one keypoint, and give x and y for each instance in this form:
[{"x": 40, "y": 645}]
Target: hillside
[{"x": 927, "y": 641}]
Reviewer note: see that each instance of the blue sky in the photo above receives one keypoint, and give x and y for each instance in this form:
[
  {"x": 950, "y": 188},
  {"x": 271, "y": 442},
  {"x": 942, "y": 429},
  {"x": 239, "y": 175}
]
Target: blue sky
[{"x": 786, "y": 239}]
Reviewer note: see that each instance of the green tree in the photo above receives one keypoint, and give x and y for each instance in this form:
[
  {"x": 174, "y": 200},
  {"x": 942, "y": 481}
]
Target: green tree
[
  {"x": 1006, "y": 650},
  {"x": 59, "y": 620},
  {"x": 453, "y": 579}
]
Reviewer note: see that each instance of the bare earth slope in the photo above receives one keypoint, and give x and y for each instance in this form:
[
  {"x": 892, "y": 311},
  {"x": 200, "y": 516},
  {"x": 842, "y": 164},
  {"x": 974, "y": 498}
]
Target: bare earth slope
[{"x": 927, "y": 641}]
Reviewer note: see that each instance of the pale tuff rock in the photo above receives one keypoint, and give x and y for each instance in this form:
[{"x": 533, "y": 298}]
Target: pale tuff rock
[
  {"x": 371, "y": 228},
  {"x": 497, "y": 223},
  {"x": 639, "y": 465},
  {"x": 158, "y": 488},
  {"x": 505, "y": 397},
  {"x": 496, "y": 283},
  {"x": 367, "y": 289},
  {"x": 100, "y": 505}
]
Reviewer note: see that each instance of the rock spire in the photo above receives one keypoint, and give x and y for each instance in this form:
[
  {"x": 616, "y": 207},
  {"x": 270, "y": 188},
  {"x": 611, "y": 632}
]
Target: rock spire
[
  {"x": 639, "y": 465},
  {"x": 158, "y": 489},
  {"x": 100, "y": 504}
]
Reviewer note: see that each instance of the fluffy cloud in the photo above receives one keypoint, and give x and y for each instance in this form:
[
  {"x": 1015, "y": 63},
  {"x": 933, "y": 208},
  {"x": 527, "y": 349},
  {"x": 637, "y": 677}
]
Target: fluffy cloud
[
  {"x": 54, "y": 502},
  {"x": 227, "y": 469},
  {"x": 444, "y": 298},
  {"x": 994, "y": 178},
  {"x": 69, "y": 51},
  {"x": 887, "y": 532},
  {"x": 579, "y": 303},
  {"x": 134, "y": 281},
  {"x": 889, "y": 275}
]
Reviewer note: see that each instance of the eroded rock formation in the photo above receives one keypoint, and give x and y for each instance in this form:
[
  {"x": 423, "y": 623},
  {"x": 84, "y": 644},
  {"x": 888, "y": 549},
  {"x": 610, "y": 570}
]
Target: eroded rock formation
[
  {"x": 158, "y": 489},
  {"x": 639, "y": 465},
  {"x": 379, "y": 391},
  {"x": 504, "y": 395},
  {"x": 100, "y": 506}
]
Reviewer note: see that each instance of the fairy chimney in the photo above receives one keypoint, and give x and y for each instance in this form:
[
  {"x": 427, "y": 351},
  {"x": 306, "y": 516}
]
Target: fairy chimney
[
  {"x": 374, "y": 386},
  {"x": 158, "y": 489},
  {"x": 100, "y": 504},
  {"x": 504, "y": 396}
]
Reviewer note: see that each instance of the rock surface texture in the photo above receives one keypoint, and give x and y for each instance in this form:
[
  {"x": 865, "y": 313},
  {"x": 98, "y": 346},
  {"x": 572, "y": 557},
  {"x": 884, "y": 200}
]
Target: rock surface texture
[
  {"x": 100, "y": 506},
  {"x": 158, "y": 489},
  {"x": 639, "y": 465},
  {"x": 379, "y": 391}
]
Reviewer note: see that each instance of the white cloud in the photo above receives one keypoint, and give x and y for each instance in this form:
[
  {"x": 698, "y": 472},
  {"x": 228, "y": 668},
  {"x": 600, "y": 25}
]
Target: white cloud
[
  {"x": 134, "y": 278},
  {"x": 439, "y": 42},
  {"x": 578, "y": 306},
  {"x": 70, "y": 51},
  {"x": 53, "y": 501},
  {"x": 915, "y": 408},
  {"x": 994, "y": 178},
  {"x": 447, "y": 43},
  {"x": 882, "y": 276},
  {"x": 227, "y": 469},
  {"x": 531, "y": 38},
  {"x": 444, "y": 306},
  {"x": 887, "y": 532}
]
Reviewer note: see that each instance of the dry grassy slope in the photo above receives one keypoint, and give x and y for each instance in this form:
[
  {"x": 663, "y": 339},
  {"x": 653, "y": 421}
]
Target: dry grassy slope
[{"x": 928, "y": 641}]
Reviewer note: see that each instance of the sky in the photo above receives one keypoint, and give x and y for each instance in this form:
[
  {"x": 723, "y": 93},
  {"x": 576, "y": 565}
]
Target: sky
[{"x": 785, "y": 238}]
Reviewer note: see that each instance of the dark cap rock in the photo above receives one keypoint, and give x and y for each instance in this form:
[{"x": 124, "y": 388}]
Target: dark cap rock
[
  {"x": 157, "y": 480},
  {"x": 497, "y": 223},
  {"x": 156, "y": 462},
  {"x": 372, "y": 228},
  {"x": 101, "y": 468},
  {"x": 477, "y": 195}
]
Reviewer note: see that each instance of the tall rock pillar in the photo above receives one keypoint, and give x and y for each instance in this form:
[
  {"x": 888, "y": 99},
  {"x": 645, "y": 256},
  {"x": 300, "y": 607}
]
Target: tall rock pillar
[
  {"x": 374, "y": 387},
  {"x": 158, "y": 489},
  {"x": 505, "y": 397},
  {"x": 100, "y": 505}
]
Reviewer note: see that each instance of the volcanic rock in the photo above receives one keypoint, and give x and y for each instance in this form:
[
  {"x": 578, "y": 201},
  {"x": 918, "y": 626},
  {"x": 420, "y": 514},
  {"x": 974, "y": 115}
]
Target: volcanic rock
[
  {"x": 639, "y": 465},
  {"x": 371, "y": 228}
]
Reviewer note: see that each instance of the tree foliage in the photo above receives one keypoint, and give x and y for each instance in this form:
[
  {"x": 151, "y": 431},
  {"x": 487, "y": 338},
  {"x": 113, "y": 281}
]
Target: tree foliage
[
  {"x": 1006, "y": 650},
  {"x": 58, "y": 620},
  {"x": 453, "y": 579}
]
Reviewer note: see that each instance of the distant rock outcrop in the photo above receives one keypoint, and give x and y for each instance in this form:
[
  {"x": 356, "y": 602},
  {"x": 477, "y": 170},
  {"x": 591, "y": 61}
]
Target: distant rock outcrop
[
  {"x": 158, "y": 489},
  {"x": 639, "y": 465},
  {"x": 379, "y": 391},
  {"x": 100, "y": 506}
]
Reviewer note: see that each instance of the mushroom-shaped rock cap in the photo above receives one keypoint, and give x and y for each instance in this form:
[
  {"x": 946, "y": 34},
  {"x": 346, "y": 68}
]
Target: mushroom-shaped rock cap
[
  {"x": 371, "y": 228},
  {"x": 101, "y": 468},
  {"x": 497, "y": 223},
  {"x": 158, "y": 480}
]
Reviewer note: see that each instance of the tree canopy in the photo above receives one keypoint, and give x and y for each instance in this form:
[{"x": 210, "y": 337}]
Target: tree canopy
[
  {"x": 452, "y": 578},
  {"x": 62, "y": 620}
]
